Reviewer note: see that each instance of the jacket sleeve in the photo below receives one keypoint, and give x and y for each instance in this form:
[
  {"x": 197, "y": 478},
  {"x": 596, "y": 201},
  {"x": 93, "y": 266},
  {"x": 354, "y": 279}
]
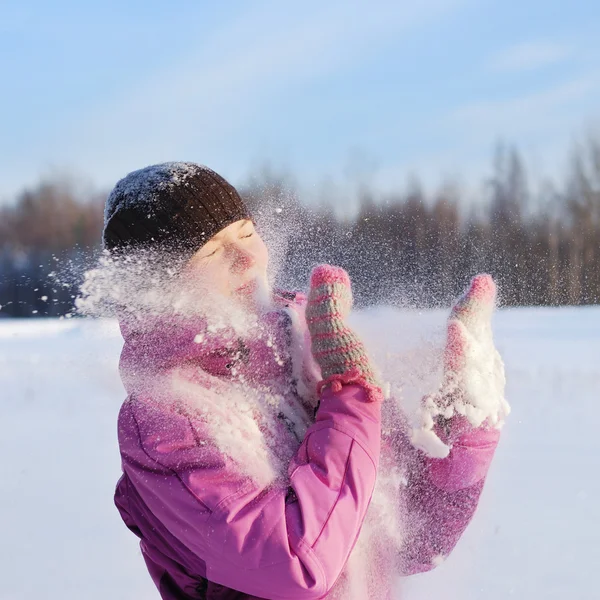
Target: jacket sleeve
[
  {"x": 443, "y": 494},
  {"x": 281, "y": 542}
]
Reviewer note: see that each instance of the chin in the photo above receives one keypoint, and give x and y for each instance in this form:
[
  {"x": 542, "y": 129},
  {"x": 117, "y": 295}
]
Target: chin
[{"x": 260, "y": 296}]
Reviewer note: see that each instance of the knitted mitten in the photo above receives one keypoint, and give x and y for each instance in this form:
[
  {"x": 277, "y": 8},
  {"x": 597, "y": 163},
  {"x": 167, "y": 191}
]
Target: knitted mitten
[
  {"x": 337, "y": 350},
  {"x": 473, "y": 369},
  {"x": 470, "y": 321},
  {"x": 472, "y": 390}
]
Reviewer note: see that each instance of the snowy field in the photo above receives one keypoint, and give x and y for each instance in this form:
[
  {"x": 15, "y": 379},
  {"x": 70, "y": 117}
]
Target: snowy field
[{"x": 536, "y": 535}]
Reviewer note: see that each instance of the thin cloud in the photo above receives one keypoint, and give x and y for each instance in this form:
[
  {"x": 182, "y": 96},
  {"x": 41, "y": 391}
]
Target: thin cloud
[
  {"x": 525, "y": 113},
  {"x": 203, "y": 103},
  {"x": 540, "y": 124},
  {"x": 530, "y": 56}
]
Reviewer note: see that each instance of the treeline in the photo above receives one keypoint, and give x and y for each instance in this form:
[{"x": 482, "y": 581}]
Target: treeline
[
  {"x": 542, "y": 247},
  {"x": 47, "y": 236}
]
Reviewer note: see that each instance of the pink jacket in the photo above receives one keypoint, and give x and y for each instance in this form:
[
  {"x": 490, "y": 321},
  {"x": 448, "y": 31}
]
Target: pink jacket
[{"x": 209, "y": 530}]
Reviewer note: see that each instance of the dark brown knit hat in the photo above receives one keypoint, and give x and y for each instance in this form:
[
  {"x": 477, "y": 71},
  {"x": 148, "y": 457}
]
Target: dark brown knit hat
[{"x": 178, "y": 206}]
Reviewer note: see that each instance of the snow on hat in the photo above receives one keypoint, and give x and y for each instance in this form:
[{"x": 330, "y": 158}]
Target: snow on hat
[{"x": 178, "y": 205}]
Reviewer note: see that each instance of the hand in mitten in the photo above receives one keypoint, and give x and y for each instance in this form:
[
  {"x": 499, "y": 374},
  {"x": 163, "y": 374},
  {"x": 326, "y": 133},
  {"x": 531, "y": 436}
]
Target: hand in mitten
[
  {"x": 336, "y": 348},
  {"x": 472, "y": 390}
]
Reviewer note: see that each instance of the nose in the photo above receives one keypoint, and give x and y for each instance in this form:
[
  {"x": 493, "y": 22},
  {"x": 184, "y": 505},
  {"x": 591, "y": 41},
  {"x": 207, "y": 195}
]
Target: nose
[{"x": 241, "y": 259}]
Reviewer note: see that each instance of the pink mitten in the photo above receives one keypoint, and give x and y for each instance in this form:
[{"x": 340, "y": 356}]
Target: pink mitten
[
  {"x": 474, "y": 371},
  {"x": 471, "y": 395},
  {"x": 336, "y": 348}
]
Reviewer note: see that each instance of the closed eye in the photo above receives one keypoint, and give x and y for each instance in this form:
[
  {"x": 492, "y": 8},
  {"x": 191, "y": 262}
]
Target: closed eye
[{"x": 211, "y": 254}]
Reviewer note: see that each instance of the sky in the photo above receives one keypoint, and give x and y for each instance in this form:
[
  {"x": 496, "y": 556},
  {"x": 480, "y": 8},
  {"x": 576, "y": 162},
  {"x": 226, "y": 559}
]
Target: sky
[{"x": 336, "y": 93}]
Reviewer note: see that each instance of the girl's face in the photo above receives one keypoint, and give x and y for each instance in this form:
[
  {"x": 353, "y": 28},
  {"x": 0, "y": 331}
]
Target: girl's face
[{"x": 233, "y": 263}]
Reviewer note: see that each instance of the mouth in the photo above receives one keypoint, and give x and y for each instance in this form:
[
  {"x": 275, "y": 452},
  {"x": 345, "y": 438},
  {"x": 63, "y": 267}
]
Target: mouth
[{"x": 248, "y": 288}]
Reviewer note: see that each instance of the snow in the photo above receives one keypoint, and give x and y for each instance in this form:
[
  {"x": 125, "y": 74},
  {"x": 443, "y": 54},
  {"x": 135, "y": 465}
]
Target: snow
[{"x": 534, "y": 536}]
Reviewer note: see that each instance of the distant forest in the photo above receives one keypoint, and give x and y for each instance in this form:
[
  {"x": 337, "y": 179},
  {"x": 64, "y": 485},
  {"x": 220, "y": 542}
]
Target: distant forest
[{"x": 404, "y": 247}]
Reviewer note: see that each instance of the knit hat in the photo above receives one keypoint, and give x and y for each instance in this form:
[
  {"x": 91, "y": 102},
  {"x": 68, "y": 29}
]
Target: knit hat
[{"x": 176, "y": 205}]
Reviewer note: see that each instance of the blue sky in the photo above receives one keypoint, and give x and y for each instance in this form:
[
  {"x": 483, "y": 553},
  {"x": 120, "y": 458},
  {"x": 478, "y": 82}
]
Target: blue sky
[{"x": 337, "y": 90}]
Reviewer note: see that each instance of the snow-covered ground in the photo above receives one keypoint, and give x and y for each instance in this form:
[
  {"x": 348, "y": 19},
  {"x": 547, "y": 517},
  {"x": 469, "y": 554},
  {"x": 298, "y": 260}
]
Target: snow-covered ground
[{"x": 536, "y": 535}]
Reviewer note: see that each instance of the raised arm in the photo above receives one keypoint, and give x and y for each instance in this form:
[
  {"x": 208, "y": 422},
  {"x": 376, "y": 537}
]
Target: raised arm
[
  {"x": 282, "y": 541},
  {"x": 464, "y": 418}
]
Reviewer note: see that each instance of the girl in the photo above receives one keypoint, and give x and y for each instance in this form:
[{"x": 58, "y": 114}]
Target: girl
[{"x": 251, "y": 438}]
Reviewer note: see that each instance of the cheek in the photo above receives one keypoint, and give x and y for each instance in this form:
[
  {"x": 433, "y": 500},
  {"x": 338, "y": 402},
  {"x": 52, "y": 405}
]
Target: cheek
[
  {"x": 207, "y": 277},
  {"x": 217, "y": 277},
  {"x": 261, "y": 255}
]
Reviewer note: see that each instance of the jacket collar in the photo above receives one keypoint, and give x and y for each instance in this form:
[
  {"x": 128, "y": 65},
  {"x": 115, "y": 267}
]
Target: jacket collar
[{"x": 258, "y": 352}]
